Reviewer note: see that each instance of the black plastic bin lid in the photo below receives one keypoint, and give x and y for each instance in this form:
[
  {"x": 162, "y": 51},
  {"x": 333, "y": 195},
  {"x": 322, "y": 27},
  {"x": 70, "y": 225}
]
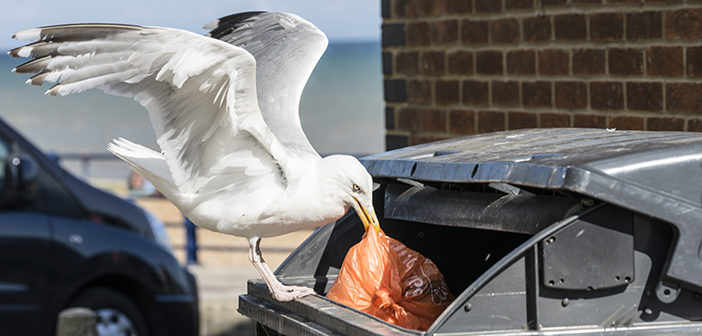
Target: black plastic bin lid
[{"x": 653, "y": 173}]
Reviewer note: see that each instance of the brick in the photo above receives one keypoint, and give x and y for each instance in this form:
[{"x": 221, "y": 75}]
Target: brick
[
  {"x": 418, "y": 34},
  {"x": 474, "y": 32},
  {"x": 554, "y": 2},
  {"x": 400, "y": 8},
  {"x": 405, "y": 8},
  {"x": 434, "y": 120},
  {"x": 518, "y": 4},
  {"x": 488, "y": 6},
  {"x": 491, "y": 121},
  {"x": 447, "y": 92},
  {"x": 409, "y": 119},
  {"x": 389, "y": 118},
  {"x": 462, "y": 122},
  {"x": 504, "y": 31},
  {"x": 589, "y": 121},
  {"x": 395, "y": 141},
  {"x": 554, "y": 62},
  {"x": 626, "y": 123},
  {"x": 537, "y": 29},
  {"x": 626, "y": 62},
  {"x": 433, "y": 63},
  {"x": 385, "y": 9},
  {"x": 460, "y": 62},
  {"x": 606, "y": 26},
  {"x": 694, "y": 61},
  {"x": 431, "y": 8},
  {"x": 517, "y": 120},
  {"x": 475, "y": 93},
  {"x": 683, "y": 97},
  {"x": 588, "y": 62},
  {"x": 606, "y": 96},
  {"x": 664, "y": 61},
  {"x": 407, "y": 63},
  {"x": 393, "y": 34},
  {"x": 387, "y": 63},
  {"x": 694, "y": 125},
  {"x": 505, "y": 93},
  {"x": 395, "y": 90},
  {"x": 644, "y": 96},
  {"x": 445, "y": 31},
  {"x": 569, "y": 27},
  {"x": 488, "y": 62},
  {"x": 536, "y": 94},
  {"x": 570, "y": 95},
  {"x": 547, "y": 120},
  {"x": 419, "y": 91},
  {"x": 644, "y": 25},
  {"x": 665, "y": 124},
  {"x": 459, "y": 6},
  {"x": 521, "y": 62},
  {"x": 419, "y": 8},
  {"x": 683, "y": 24}
]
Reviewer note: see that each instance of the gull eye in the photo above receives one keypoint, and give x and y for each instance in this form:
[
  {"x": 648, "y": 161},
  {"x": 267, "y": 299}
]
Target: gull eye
[{"x": 356, "y": 188}]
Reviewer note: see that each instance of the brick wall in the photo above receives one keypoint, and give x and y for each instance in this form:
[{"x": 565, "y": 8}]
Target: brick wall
[{"x": 457, "y": 67}]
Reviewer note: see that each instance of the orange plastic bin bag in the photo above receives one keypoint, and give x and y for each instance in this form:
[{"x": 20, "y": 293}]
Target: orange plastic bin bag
[{"x": 383, "y": 277}]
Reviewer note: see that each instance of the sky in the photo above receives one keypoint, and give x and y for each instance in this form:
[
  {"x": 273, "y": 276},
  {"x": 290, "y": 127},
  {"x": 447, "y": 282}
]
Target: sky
[{"x": 341, "y": 20}]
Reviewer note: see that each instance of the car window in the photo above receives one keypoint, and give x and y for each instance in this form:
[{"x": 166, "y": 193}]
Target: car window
[{"x": 4, "y": 154}]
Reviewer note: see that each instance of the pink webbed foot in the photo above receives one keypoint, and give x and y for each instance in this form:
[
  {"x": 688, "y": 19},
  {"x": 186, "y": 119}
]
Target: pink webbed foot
[{"x": 289, "y": 293}]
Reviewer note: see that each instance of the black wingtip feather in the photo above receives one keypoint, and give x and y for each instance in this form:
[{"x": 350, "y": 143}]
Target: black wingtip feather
[
  {"x": 229, "y": 23},
  {"x": 35, "y": 65}
]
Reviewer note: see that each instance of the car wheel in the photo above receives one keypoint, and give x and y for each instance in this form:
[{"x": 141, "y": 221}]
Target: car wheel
[{"x": 116, "y": 314}]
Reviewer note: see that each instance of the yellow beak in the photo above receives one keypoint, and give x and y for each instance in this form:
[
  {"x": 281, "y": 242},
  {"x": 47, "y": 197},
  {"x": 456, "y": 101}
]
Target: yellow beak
[{"x": 367, "y": 215}]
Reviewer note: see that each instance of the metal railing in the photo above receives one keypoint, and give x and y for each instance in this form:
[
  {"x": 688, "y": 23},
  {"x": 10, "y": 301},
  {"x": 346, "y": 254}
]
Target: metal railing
[{"x": 85, "y": 159}]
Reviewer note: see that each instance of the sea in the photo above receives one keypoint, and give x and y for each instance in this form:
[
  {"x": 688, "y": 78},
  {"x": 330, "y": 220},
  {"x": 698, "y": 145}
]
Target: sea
[{"x": 341, "y": 111}]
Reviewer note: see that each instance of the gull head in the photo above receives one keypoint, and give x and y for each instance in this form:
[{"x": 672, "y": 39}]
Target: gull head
[{"x": 351, "y": 184}]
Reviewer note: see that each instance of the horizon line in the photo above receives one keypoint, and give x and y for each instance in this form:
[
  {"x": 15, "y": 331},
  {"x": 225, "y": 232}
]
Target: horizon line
[{"x": 5, "y": 49}]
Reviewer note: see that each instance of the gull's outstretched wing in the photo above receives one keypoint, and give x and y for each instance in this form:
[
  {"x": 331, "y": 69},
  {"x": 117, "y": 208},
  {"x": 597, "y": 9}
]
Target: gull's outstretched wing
[
  {"x": 199, "y": 92},
  {"x": 286, "y": 49}
]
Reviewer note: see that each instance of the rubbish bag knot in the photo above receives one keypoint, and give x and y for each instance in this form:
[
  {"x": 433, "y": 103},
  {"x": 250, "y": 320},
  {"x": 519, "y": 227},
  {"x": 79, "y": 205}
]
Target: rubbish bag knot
[
  {"x": 382, "y": 299},
  {"x": 387, "y": 309}
]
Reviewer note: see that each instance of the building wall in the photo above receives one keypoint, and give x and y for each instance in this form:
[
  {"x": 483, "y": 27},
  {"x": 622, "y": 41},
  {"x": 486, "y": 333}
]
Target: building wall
[{"x": 458, "y": 67}]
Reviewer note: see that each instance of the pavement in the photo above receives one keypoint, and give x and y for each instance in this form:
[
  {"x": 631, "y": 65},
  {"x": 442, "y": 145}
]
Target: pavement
[{"x": 219, "y": 289}]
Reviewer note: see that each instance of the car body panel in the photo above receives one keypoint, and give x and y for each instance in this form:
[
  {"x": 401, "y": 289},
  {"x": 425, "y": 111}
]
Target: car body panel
[{"x": 71, "y": 237}]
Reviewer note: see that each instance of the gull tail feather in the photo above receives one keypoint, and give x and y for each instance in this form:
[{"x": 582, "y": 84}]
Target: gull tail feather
[{"x": 149, "y": 164}]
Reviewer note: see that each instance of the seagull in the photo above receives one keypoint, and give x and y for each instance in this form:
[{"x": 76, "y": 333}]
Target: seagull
[{"x": 224, "y": 106}]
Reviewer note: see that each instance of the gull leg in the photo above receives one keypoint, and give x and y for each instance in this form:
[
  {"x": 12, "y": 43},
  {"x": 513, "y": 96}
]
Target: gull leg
[{"x": 279, "y": 291}]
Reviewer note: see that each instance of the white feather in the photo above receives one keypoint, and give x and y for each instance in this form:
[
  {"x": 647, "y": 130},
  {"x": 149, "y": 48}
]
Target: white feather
[{"x": 28, "y": 35}]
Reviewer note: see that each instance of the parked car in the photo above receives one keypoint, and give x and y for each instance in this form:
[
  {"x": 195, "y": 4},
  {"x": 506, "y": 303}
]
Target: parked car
[
  {"x": 66, "y": 244},
  {"x": 537, "y": 232}
]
